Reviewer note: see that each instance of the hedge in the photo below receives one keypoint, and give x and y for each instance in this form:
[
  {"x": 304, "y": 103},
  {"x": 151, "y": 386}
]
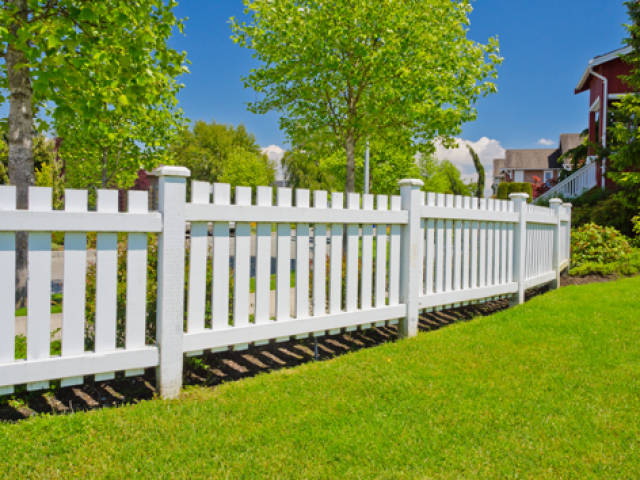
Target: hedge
[{"x": 505, "y": 189}]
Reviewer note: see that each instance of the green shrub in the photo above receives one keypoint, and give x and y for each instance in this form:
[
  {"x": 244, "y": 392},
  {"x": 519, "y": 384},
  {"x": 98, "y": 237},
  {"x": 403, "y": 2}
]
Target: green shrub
[
  {"x": 505, "y": 189},
  {"x": 629, "y": 265},
  {"x": 592, "y": 243},
  {"x": 636, "y": 229}
]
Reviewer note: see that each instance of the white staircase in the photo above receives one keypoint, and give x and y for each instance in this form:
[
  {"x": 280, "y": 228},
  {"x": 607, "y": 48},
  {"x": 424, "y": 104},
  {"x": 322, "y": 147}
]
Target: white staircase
[{"x": 580, "y": 182}]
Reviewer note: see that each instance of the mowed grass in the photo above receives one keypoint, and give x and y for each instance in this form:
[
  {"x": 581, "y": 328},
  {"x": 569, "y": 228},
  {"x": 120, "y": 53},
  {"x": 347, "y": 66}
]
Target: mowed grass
[{"x": 547, "y": 390}]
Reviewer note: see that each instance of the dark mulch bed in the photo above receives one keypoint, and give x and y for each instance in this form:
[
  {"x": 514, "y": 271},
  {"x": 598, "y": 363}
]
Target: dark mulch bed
[
  {"x": 568, "y": 280},
  {"x": 211, "y": 370}
]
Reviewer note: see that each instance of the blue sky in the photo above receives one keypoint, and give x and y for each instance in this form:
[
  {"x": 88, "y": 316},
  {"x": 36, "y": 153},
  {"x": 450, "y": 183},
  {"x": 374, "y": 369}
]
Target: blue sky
[{"x": 546, "y": 45}]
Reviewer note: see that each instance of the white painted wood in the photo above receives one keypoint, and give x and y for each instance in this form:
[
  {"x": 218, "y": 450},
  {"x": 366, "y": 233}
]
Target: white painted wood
[
  {"x": 539, "y": 279},
  {"x": 440, "y": 248},
  {"x": 198, "y": 262},
  {"x": 335, "y": 266},
  {"x": 448, "y": 245},
  {"x": 319, "y": 258},
  {"x": 302, "y": 259},
  {"x": 171, "y": 254},
  {"x": 220, "y": 261},
  {"x": 482, "y": 266},
  {"x": 430, "y": 248},
  {"x": 242, "y": 269},
  {"x": 254, "y": 333},
  {"x": 497, "y": 237},
  {"x": 58, "y": 221},
  {"x": 39, "y": 286},
  {"x": 412, "y": 259},
  {"x": 74, "y": 284},
  {"x": 457, "y": 256},
  {"x": 520, "y": 246},
  {"x": 466, "y": 249},
  {"x": 106, "y": 282},
  {"x": 40, "y": 371},
  {"x": 394, "y": 255},
  {"x": 366, "y": 284},
  {"x": 381, "y": 255},
  {"x": 539, "y": 218},
  {"x": 510, "y": 253},
  {"x": 458, "y": 214},
  {"x": 475, "y": 247},
  {"x": 290, "y": 215},
  {"x": 490, "y": 244},
  {"x": 436, "y": 300},
  {"x": 504, "y": 245},
  {"x": 283, "y": 261},
  {"x": 263, "y": 261},
  {"x": 7, "y": 287},
  {"x": 353, "y": 240}
]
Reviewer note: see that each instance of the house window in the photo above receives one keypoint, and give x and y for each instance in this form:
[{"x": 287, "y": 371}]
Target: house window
[
  {"x": 548, "y": 176},
  {"x": 519, "y": 178}
]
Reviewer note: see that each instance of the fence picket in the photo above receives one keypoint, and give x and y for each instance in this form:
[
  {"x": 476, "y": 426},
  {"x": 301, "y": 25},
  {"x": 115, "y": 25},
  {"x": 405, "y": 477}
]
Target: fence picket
[
  {"x": 7, "y": 286},
  {"x": 440, "y": 248},
  {"x": 466, "y": 249},
  {"x": 302, "y": 259},
  {"x": 137, "y": 280},
  {"x": 381, "y": 255},
  {"x": 510, "y": 240},
  {"x": 496, "y": 245},
  {"x": 74, "y": 285},
  {"x": 353, "y": 241},
  {"x": 430, "y": 247},
  {"x": 319, "y": 260},
  {"x": 394, "y": 256},
  {"x": 198, "y": 263},
  {"x": 483, "y": 247},
  {"x": 335, "y": 267},
  {"x": 448, "y": 242},
  {"x": 220, "y": 261},
  {"x": 262, "y": 307},
  {"x": 283, "y": 263},
  {"x": 457, "y": 259},
  {"x": 366, "y": 284},
  {"x": 474, "y": 246},
  {"x": 242, "y": 269},
  {"x": 490, "y": 244},
  {"x": 106, "y": 282}
]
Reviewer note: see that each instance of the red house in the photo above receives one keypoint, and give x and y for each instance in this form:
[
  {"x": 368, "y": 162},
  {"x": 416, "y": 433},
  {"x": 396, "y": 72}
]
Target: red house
[{"x": 602, "y": 80}]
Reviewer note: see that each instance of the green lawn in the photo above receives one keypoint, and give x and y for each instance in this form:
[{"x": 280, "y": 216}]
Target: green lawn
[
  {"x": 56, "y": 306},
  {"x": 547, "y": 390}
]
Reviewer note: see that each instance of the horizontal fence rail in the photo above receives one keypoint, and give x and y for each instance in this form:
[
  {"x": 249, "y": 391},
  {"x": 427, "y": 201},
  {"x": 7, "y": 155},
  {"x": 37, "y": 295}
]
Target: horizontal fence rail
[{"x": 244, "y": 267}]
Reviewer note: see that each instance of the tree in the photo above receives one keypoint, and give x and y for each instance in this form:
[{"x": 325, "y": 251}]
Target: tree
[
  {"x": 623, "y": 142},
  {"x": 115, "y": 51},
  {"x": 348, "y": 70},
  {"x": 442, "y": 177},
  {"x": 246, "y": 169},
  {"x": 480, "y": 170},
  {"x": 207, "y": 149},
  {"x": 304, "y": 169}
]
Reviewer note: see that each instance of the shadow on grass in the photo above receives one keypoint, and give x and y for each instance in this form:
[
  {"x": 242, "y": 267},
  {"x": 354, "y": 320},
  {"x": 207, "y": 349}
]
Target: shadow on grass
[{"x": 211, "y": 370}]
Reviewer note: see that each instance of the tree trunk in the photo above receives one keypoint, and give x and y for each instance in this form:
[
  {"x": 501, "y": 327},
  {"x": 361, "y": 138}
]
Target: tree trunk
[
  {"x": 350, "y": 144},
  {"x": 21, "y": 170},
  {"x": 105, "y": 158}
]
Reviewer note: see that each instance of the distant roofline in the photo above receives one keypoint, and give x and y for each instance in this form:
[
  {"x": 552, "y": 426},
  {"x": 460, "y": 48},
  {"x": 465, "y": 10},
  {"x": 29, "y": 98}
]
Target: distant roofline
[{"x": 599, "y": 60}]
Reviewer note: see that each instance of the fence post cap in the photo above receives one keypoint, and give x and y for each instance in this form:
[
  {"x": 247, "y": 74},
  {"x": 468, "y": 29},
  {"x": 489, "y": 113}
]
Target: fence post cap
[
  {"x": 555, "y": 201},
  {"x": 171, "y": 171},
  {"x": 567, "y": 205},
  {"x": 410, "y": 182},
  {"x": 519, "y": 195}
]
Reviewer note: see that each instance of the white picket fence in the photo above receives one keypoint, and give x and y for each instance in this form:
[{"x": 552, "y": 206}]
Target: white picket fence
[{"x": 402, "y": 255}]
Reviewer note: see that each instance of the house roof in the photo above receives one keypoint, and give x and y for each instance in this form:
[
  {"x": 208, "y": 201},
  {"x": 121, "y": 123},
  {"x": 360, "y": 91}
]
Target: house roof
[
  {"x": 537, "y": 158},
  {"x": 533, "y": 158},
  {"x": 569, "y": 141},
  {"x": 594, "y": 62}
]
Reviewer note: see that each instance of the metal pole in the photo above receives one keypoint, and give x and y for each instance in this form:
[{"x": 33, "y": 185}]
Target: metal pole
[{"x": 366, "y": 169}]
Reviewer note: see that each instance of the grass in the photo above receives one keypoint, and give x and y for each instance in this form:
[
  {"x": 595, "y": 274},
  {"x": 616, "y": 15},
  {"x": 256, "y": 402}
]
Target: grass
[
  {"x": 273, "y": 282},
  {"x": 56, "y": 306},
  {"x": 547, "y": 390}
]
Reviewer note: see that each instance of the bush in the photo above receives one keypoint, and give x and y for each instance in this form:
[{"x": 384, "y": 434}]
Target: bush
[
  {"x": 592, "y": 243},
  {"x": 505, "y": 189},
  {"x": 629, "y": 265}
]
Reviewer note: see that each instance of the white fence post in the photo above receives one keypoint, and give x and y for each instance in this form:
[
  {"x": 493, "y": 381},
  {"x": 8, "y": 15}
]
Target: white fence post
[
  {"x": 520, "y": 246},
  {"x": 411, "y": 256},
  {"x": 568, "y": 206},
  {"x": 555, "y": 204},
  {"x": 171, "y": 259}
]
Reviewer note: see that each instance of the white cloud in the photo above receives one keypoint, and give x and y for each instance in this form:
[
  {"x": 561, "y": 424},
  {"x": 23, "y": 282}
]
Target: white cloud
[
  {"x": 275, "y": 154},
  {"x": 486, "y": 148},
  {"x": 544, "y": 141}
]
